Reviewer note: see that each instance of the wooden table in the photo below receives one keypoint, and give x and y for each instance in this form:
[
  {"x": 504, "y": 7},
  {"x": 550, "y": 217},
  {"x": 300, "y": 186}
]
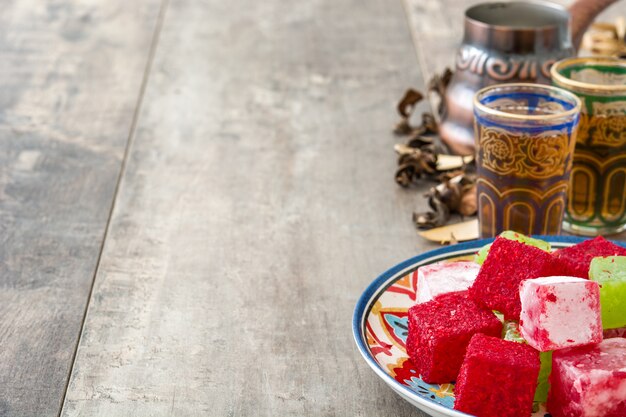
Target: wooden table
[{"x": 194, "y": 194}]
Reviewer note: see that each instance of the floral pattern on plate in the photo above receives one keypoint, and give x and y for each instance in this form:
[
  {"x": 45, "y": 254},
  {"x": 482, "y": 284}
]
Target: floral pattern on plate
[
  {"x": 380, "y": 326},
  {"x": 387, "y": 330}
]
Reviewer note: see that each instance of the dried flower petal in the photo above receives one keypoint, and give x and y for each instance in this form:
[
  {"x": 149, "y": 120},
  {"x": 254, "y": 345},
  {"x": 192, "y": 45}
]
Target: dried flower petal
[
  {"x": 418, "y": 158},
  {"x": 402, "y": 149},
  {"x": 403, "y": 127},
  {"x": 452, "y": 162},
  {"x": 448, "y": 194},
  {"x": 432, "y": 219},
  {"x": 454, "y": 232},
  {"x": 404, "y": 174},
  {"x": 429, "y": 123},
  {"x": 407, "y": 104},
  {"x": 438, "y": 85},
  {"x": 420, "y": 141},
  {"x": 469, "y": 203}
]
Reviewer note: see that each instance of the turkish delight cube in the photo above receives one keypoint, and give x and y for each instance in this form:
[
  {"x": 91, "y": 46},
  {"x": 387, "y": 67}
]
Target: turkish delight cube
[
  {"x": 443, "y": 277},
  {"x": 511, "y": 331},
  {"x": 439, "y": 331},
  {"x": 609, "y": 333},
  {"x": 497, "y": 378},
  {"x": 560, "y": 312},
  {"x": 610, "y": 273},
  {"x": 511, "y": 235},
  {"x": 574, "y": 260},
  {"x": 509, "y": 262},
  {"x": 589, "y": 381}
]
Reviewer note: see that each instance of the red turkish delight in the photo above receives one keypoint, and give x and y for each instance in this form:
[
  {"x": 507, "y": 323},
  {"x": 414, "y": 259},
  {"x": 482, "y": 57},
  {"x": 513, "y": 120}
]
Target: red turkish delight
[
  {"x": 589, "y": 381},
  {"x": 497, "y": 378},
  {"x": 574, "y": 260},
  {"x": 508, "y": 264},
  {"x": 439, "y": 331},
  {"x": 610, "y": 333}
]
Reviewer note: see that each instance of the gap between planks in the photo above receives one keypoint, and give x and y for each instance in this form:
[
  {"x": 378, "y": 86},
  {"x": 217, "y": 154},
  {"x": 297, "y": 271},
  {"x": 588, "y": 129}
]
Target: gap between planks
[{"x": 131, "y": 134}]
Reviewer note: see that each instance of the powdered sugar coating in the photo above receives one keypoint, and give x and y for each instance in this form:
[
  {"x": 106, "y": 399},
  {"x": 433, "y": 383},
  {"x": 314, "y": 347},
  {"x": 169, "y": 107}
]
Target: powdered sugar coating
[
  {"x": 589, "y": 381},
  {"x": 444, "y": 277},
  {"x": 575, "y": 260},
  {"x": 509, "y": 262},
  {"x": 497, "y": 378},
  {"x": 439, "y": 331},
  {"x": 560, "y": 312}
]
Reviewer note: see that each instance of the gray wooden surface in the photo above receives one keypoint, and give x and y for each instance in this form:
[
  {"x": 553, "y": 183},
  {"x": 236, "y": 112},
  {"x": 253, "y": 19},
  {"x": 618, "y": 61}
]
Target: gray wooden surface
[
  {"x": 71, "y": 75},
  {"x": 257, "y": 203},
  {"x": 222, "y": 173}
]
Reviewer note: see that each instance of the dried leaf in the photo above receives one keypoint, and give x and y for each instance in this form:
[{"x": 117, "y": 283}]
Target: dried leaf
[
  {"x": 467, "y": 180},
  {"x": 406, "y": 159},
  {"x": 469, "y": 203},
  {"x": 407, "y": 104},
  {"x": 459, "y": 231},
  {"x": 403, "y": 127},
  {"x": 419, "y": 158},
  {"x": 420, "y": 141},
  {"x": 455, "y": 194},
  {"x": 426, "y": 220},
  {"x": 429, "y": 123},
  {"x": 414, "y": 163},
  {"x": 438, "y": 85},
  {"x": 404, "y": 174},
  {"x": 450, "y": 162},
  {"x": 430, "y": 219},
  {"x": 439, "y": 82},
  {"x": 428, "y": 163},
  {"x": 448, "y": 194},
  {"x": 402, "y": 149}
]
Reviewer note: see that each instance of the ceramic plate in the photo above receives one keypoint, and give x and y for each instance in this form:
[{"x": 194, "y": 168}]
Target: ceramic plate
[{"x": 380, "y": 327}]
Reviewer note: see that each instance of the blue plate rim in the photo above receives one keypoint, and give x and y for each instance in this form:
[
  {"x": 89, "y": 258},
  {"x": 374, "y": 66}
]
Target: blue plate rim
[{"x": 374, "y": 287}]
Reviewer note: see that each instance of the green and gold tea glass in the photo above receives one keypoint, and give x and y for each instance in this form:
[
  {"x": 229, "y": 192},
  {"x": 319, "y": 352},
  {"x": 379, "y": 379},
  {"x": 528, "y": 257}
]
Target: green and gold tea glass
[
  {"x": 597, "y": 196},
  {"x": 525, "y": 136}
]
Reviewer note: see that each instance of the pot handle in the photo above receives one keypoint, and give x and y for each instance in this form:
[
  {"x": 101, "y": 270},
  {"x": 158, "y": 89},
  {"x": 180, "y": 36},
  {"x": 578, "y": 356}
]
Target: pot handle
[{"x": 583, "y": 14}]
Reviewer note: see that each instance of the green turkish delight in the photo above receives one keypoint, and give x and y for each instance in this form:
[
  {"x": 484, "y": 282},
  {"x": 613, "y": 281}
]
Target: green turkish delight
[
  {"x": 511, "y": 332},
  {"x": 610, "y": 273},
  {"x": 511, "y": 235}
]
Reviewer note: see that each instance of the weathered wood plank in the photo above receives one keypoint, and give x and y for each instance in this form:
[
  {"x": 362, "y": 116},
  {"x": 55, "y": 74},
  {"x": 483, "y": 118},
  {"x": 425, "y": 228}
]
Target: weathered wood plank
[
  {"x": 71, "y": 74},
  {"x": 257, "y": 204}
]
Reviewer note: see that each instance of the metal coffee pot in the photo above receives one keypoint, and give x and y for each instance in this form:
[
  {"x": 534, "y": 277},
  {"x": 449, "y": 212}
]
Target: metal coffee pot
[{"x": 509, "y": 42}]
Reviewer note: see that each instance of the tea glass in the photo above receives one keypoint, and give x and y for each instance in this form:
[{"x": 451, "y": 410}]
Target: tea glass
[
  {"x": 525, "y": 136},
  {"x": 597, "y": 196}
]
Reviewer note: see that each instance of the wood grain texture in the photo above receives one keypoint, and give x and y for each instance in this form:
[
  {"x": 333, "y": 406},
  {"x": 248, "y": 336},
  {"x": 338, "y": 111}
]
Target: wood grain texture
[
  {"x": 71, "y": 74},
  {"x": 257, "y": 205}
]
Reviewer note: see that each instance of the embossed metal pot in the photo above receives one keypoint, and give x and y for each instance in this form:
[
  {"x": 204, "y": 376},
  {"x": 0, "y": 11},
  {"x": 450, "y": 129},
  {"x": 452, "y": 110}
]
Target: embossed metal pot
[{"x": 509, "y": 42}]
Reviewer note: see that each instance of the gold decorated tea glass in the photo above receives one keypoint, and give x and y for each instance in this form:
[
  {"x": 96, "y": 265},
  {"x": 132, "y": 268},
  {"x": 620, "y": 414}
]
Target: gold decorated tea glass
[
  {"x": 597, "y": 196},
  {"x": 525, "y": 136}
]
